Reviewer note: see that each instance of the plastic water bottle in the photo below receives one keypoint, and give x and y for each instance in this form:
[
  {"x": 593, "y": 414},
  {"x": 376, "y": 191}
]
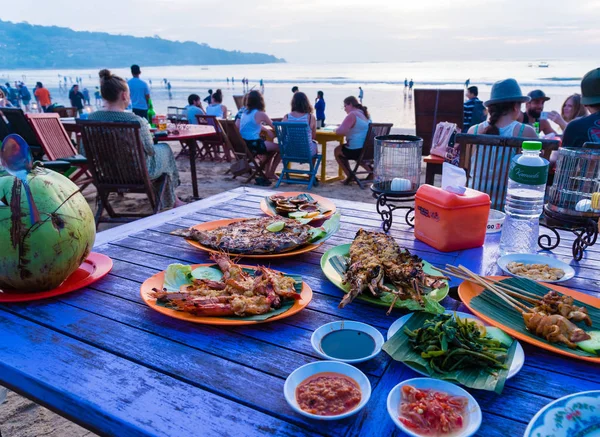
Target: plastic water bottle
[{"x": 524, "y": 204}]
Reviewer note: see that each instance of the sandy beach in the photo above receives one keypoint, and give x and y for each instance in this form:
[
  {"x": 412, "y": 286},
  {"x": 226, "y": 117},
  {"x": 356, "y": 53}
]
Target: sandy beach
[{"x": 20, "y": 417}]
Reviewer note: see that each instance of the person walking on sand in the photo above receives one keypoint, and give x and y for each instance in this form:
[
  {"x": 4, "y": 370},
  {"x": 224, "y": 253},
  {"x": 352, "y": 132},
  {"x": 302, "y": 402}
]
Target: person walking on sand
[
  {"x": 320, "y": 109},
  {"x": 467, "y": 83},
  {"x": 42, "y": 95},
  {"x": 208, "y": 98},
  {"x": 405, "y": 83},
  {"x": 140, "y": 93},
  {"x": 76, "y": 98},
  {"x": 98, "y": 97},
  {"x": 410, "y": 84},
  {"x": 361, "y": 94},
  {"x": 25, "y": 96}
]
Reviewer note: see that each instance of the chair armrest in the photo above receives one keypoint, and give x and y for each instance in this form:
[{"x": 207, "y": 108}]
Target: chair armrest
[
  {"x": 77, "y": 159},
  {"x": 59, "y": 166}
]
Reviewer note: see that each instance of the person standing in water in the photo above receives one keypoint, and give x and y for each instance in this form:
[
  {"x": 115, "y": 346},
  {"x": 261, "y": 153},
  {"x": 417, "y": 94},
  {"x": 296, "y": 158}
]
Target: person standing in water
[
  {"x": 361, "y": 94},
  {"x": 405, "y": 83},
  {"x": 410, "y": 84}
]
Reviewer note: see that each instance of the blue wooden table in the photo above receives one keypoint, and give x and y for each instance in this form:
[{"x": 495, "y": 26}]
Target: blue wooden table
[{"x": 103, "y": 359}]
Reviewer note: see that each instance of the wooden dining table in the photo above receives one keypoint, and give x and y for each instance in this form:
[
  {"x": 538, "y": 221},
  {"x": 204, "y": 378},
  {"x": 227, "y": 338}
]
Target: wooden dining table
[
  {"x": 186, "y": 134},
  {"x": 323, "y": 137},
  {"x": 102, "y": 358}
]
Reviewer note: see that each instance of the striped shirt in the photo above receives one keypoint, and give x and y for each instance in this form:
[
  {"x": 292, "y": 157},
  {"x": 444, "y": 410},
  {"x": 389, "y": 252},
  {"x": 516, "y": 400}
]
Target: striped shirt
[{"x": 468, "y": 113}]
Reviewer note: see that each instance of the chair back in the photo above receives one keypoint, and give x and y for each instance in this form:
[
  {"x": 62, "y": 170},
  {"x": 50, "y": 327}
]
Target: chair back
[
  {"x": 116, "y": 157},
  {"x": 293, "y": 141},
  {"x": 4, "y": 129},
  {"x": 235, "y": 138},
  {"x": 64, "y": 112},
  {"x": 434, "y": 106},
  {"x": 486, "y": 160},
  {"x": 211, "y": 120},
  {"x": 51, "y": 135},
  {"x": 172, "y": 112},
  {"x": 239, "y": 101},
  {"x": 19, "y": 125},
  {"x": 375, "y": 130}
]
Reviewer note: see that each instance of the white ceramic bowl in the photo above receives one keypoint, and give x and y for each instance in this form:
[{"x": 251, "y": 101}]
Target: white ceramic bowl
[
  {"x": 515, "y": 366},
  {"x": 528, "y": 258},
  {"x": 495, "y": 221},
  {"x": 301, "y": 373},
  {"x": 473, "y": 412},
  {"x": 325, "y": 329}
]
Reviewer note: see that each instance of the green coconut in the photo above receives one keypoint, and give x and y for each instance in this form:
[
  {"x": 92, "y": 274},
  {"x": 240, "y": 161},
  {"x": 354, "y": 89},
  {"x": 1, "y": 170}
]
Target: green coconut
[{"x": 40, "y": 257}]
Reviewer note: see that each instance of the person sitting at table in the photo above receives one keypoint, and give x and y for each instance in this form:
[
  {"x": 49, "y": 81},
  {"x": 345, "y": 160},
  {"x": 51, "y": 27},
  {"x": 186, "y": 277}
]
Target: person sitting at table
[
  {"x": 255, "y": 124},
  {"x": 194, "y": 108},
  {"x": 586, "y": 129},
  {"x": 302, "y": 113},
  {"x": 354, "y": 127},
  {"x": 4, "y": 103},
  {"x": 571, "y": 110},
  {"x": 504, "y": 109},
  {"x": 216, "y": 106},
  {"x": 533, "y": 111},
  {"x": 159, "y": 157}
]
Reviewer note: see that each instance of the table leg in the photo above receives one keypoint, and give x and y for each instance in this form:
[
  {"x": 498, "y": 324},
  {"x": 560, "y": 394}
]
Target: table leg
[
  {"x": 192, "y": 148},
  {"x": 324, "y": 161}
]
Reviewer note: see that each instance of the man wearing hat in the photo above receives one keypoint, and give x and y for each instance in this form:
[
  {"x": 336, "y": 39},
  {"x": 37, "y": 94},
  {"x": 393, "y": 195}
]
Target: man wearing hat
[
  {"x": 586, "y": 129},
  {"x": 534, "y": 109}
]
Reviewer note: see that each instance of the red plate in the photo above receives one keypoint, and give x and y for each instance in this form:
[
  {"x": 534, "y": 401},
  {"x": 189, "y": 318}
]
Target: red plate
[{"x": 95, "y": 267}]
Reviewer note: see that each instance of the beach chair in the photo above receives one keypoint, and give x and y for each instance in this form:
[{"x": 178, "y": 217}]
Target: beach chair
[
  {"x": 239, "y": 101},
  {"x": 65, "y": 111},
  {"x": 213, "y": 147},
  {"x": 486, "y": 160},
  {"x": 294, "y": 148},
  {"x": 246, "y": 161},
  {"x": 57, "y": 145},
  {"x": 18, "y": 124},
  {"x": 368, "y": 153},
  {"x": 117, "y": 162},
  {"x": 434, "y": 106}
]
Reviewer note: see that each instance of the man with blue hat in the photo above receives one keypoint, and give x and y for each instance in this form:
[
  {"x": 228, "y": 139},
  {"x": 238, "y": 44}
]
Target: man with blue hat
[{"x": 586, "y": 129}]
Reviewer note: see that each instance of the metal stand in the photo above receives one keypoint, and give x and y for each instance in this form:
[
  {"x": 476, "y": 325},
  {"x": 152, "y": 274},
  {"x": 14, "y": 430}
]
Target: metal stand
[
  {"x": 586, "y": 232},
  {"x": 388, "y": 202}
]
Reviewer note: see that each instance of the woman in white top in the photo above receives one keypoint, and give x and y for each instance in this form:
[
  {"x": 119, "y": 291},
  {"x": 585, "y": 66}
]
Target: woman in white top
[
  {"x": 216, "y": 106},
  {"x": 302, "y": 113},
  {"x": 354, "y": 127},
  {"x": 504, "y": 108},
  {"x": 256, "y": 128}
]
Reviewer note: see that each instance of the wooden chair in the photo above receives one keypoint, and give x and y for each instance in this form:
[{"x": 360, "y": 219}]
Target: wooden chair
[
  {"x": 213, "y": 147},
  {"x": 367, "y": 154},
  {"x": 294, "y": 147},
  {"x": 486, "y": 160},
  {"x": 118, "y": 165},
  {"x": 243, "y": 155},
  {"x": 57, "y": 145},
  {"x": 65, "y": 112},
  {"x": 434, "y": 106},
  {"x": 239, "y": 101},
  {"x": 172, "y": 114},
  {"x": 18, "y": 124}
]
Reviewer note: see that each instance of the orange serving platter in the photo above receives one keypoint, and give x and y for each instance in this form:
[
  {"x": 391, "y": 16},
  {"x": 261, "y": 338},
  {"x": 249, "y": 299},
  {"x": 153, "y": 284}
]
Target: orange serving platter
[
  {"x": 321, "y": 201},
  {"x": 209, "y": 226},
  {"x": 468, "y": 291},
  {"x": 157, "y": 281}
]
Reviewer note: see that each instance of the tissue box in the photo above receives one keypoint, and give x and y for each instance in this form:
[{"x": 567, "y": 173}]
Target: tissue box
[{"x": 448, "y": 221}]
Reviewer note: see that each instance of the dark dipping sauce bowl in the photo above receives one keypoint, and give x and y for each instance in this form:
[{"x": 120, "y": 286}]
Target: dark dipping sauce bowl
[{"x": 347, "y": 341}]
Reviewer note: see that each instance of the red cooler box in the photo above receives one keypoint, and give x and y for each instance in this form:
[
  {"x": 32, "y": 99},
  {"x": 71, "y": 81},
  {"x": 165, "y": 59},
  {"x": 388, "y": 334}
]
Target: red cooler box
[{"x": 448, "y": 221}]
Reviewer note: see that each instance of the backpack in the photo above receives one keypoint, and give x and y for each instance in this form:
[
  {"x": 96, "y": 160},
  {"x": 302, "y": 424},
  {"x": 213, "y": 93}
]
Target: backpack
[{"x": 478, "y": 114}]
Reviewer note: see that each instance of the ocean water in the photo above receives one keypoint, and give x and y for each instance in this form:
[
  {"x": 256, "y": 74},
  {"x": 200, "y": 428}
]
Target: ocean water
[{"x": 383, "y": 83}]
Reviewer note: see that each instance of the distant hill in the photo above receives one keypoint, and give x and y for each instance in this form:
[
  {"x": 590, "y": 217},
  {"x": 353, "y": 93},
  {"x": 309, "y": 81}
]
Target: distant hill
[{"x": 23, "y": 45}]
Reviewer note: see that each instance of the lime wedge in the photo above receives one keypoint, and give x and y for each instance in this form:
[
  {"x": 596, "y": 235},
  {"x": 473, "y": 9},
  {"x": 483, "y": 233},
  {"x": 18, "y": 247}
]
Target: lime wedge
[
  {"x": 276, "y": 226},
  {"x": 297, "y": 215}
]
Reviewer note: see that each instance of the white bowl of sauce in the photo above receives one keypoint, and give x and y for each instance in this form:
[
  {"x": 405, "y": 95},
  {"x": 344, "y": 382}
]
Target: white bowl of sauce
[
  {"x": 347, "y": 341},
  {"x": 307, "y": 390}
]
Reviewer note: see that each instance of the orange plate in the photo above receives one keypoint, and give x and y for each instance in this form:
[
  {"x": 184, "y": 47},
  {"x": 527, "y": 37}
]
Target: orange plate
[
  {"x": 94, "y": 267},
  {"x": 209, "y": 226},
  {"x": 322, "y": 201},
  {"x": 157, "y": 281},
  {"x": 468, "y": 291}
]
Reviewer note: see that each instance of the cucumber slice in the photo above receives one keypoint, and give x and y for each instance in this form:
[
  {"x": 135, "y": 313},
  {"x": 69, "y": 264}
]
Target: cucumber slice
[
  {"x": 209, "y": 273},
  {"x": 500, "y": 335},
  {"x": 593, "y": 344},
  {"x": 317, "y": 233},
  {"x": 297, "y": 215}
]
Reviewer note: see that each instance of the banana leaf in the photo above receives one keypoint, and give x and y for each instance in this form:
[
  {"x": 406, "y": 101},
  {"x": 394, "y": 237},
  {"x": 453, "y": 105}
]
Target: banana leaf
[
  {"x": 399, "y": 348},
  {"x": 490, "y": 305},
  {"x": 285, "y": 306}
]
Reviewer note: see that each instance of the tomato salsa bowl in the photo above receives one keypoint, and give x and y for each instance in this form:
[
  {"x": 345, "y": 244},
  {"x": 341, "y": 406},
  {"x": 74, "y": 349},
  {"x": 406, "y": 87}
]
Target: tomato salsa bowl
[
  {"x": 305, "y": 384},
  {"x": 447, "y": 396}
]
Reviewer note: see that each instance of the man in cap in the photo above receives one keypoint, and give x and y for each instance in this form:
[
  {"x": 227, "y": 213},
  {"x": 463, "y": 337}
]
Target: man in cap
[
  {"x": 139, "y": 92},
  {"x": 586, "y": 129},
  {"x": 533, "y": 111}
]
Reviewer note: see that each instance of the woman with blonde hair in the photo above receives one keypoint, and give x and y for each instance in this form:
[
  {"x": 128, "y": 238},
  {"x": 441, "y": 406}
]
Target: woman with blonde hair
[
  {"x": 570, "y": 110},
  {"x": 159, "y": 157}
]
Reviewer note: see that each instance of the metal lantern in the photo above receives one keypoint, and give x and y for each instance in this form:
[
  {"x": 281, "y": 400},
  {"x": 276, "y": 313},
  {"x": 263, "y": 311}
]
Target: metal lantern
[
  {"x": 397, "y": 175},
  {"x": 573, "y": 199},
  {"x": 397, "y": 165}
]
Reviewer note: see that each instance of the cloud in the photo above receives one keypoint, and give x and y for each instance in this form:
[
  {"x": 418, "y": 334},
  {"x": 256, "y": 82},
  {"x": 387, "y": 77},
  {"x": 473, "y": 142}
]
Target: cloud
[
  {"x": 285, "y": 41},
  {"x": 524, "y": 41}
]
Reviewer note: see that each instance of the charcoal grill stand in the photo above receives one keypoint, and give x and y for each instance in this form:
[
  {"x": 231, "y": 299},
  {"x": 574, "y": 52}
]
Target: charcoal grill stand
[
  {"x": 389, "y": 201},
  {"x": 585, "y": 230}
]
